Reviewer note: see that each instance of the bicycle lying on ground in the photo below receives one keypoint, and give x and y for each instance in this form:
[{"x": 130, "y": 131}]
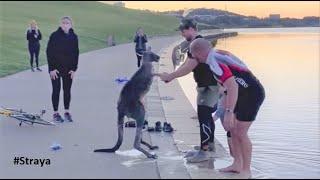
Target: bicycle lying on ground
[{"x": 24, "y": 117}]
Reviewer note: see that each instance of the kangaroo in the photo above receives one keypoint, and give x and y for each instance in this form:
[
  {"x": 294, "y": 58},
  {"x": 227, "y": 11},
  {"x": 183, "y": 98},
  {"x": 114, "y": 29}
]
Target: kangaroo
[{"x": 130, "y": 103}]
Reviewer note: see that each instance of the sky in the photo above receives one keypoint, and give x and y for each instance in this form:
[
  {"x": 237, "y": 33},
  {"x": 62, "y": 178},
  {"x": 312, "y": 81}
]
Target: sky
[{"x": 293, "y": 9}]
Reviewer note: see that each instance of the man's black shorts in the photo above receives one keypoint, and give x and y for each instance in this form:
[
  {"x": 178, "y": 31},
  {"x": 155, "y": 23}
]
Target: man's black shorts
[{"x": 249, "y": 102}]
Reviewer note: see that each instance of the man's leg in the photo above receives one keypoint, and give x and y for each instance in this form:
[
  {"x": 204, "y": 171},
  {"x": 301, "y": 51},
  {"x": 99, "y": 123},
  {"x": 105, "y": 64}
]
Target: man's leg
[
  {"x": 204, "y": 116},
  {"x": 245, "y": 112},
  {"x": 206, "y": 126},
  {"x": 244, "y": 121},
  {"x": 212, "y": 127},
  {"x": 209, "y": 99},
  {"x": 245, "y": 145},
  {"x": 237, "y": 154}
]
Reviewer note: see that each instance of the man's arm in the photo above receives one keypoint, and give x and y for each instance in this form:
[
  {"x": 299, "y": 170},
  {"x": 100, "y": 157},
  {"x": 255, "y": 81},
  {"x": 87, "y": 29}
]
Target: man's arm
[
  {"x": 183, "y": 70},
  {"x": 187, "y": 67},
  {"x": 230, "y": 101},
  {"x": 232, "y": 95}
]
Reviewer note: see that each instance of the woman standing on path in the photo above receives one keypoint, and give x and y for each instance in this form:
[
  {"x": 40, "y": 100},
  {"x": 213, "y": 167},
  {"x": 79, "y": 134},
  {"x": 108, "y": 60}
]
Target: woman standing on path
[
  {"x": 33, "y": 37},
  {"x": 62, "y": 56}
]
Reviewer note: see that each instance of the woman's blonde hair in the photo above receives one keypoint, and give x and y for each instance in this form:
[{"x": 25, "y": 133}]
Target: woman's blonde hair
[{"x": 35, "y": 23}]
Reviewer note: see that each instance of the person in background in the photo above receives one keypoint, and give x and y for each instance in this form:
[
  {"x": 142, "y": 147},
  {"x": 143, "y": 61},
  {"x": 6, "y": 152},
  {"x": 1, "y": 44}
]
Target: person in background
[
  {"x": 33, "y": 37},
  {"x": 140, "y": 39}
]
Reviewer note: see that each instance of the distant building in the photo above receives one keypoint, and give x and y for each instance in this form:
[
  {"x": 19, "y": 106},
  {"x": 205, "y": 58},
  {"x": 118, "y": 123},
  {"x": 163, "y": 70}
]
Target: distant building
[{"x": 274, "y": 16}]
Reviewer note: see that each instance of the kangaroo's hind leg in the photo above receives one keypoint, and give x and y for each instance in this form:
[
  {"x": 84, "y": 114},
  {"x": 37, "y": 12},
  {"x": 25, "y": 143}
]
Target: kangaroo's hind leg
[
  {"x": 139, "y": 117},
  {"x": 142, "y": 141},
  {"x": 137, "y": 144},
  {"x": 149, "y": 145}
]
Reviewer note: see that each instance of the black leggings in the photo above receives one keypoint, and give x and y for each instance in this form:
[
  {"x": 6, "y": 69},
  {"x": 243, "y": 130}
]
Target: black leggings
[
  {"x": 207, "y": 125},
  {"x": 139, "y": 52},
  {"x": 139, "y": 60},
  {"x": 34, "y": 52},
  {"x": 56, "y": 86}
]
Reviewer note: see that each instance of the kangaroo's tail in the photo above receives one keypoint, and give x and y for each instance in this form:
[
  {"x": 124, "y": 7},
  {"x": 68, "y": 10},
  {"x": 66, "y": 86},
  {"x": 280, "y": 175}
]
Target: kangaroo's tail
[{"x": 120, "y": 136}]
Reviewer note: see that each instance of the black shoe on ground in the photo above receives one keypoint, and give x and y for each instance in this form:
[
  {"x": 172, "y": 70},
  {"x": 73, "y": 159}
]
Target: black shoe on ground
[
  {"x": 167, "y": 127},
  {"x": 39, "y": 69},
  {"x": 151, "y": 129},
  {"x": 158, "y": 127}
]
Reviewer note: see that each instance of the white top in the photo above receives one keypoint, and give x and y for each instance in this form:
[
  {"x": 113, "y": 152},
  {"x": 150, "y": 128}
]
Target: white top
[
  {"x": 213, "y": 64},
  {"x": 215, "y": 57}
]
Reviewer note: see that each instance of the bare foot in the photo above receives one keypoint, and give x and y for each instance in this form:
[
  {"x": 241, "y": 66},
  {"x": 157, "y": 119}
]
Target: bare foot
[
  {"x": 232, "y": 168},
  {"x": 246, "y": 174}
]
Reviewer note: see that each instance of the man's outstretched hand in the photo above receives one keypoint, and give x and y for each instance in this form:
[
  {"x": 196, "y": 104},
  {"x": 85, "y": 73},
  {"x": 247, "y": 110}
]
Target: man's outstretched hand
[{"x": 164, "y": 76}]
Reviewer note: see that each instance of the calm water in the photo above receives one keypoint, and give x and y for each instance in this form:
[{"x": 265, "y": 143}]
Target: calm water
[{"x": 286, "y": 133}]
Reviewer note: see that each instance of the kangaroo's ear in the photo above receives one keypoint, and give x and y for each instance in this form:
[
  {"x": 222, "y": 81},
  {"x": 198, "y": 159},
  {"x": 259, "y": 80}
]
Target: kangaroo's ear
[{"x": 149, "y": 49}]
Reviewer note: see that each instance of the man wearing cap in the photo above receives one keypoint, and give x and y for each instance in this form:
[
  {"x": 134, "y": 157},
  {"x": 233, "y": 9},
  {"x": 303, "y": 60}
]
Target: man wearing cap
[{"x": 207, "y": 90}]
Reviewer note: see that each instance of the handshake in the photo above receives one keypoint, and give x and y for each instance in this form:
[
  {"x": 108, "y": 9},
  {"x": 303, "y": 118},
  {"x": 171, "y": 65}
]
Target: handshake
[{"x": 164, "y": 77}]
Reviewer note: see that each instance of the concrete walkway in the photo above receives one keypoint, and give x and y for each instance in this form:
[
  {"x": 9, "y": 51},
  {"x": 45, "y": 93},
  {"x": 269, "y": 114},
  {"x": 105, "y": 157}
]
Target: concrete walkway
[{"x": 93, "y": 105}]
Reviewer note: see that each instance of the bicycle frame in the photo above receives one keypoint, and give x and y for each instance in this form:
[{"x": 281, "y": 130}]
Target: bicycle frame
[{"x": 25, "y": 117}]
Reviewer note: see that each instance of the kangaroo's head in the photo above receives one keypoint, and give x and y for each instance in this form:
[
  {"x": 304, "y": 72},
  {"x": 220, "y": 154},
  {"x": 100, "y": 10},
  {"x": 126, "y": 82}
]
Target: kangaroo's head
[{"x": 149, "y": 56}]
